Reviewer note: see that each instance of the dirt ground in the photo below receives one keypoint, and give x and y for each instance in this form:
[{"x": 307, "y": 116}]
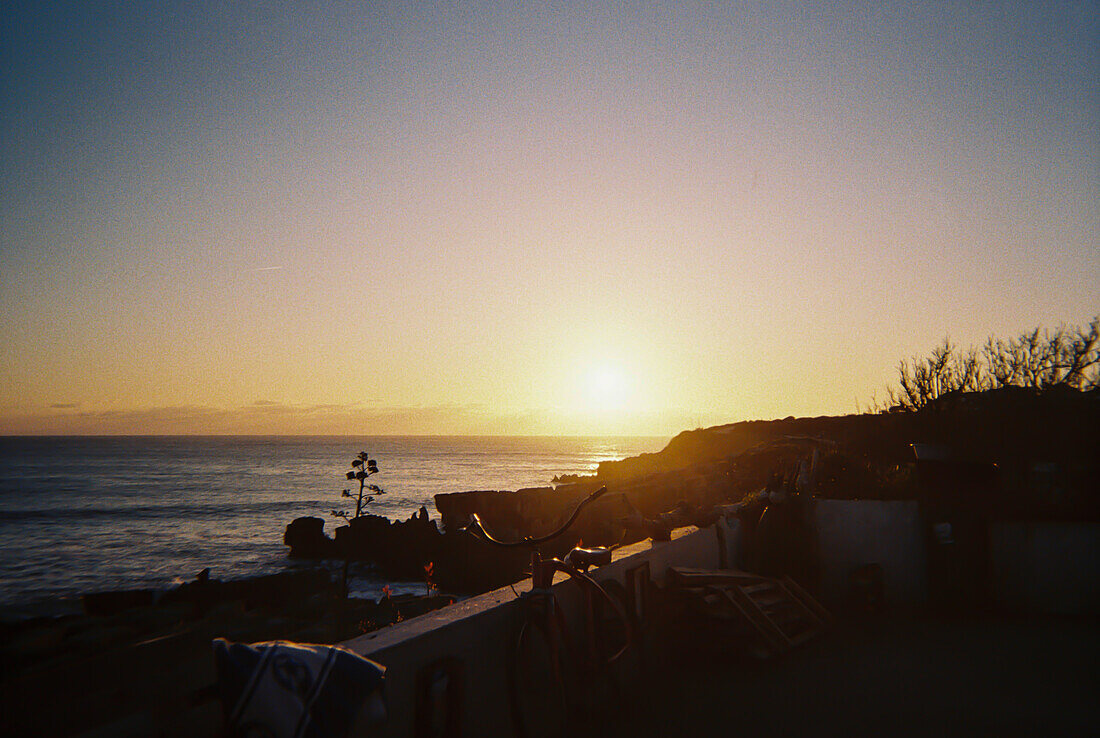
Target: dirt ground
[{"x": 913, "y": 677}]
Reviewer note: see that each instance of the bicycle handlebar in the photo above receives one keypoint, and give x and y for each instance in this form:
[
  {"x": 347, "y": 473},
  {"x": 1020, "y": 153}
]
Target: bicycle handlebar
[{"x": 476, "y": 529}]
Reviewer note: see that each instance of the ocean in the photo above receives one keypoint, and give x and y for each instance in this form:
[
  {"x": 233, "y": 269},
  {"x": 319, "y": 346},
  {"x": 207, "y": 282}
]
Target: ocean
[{"x": 84, "y": 514}]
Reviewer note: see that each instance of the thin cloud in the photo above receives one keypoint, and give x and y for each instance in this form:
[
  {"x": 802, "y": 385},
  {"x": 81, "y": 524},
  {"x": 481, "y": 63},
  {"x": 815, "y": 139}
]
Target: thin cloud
[{"x": 269, "y": 417}]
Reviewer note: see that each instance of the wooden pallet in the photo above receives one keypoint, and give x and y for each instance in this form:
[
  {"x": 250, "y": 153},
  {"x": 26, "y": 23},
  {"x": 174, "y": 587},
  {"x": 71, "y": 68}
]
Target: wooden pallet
[{"x": 778, "y": 613}]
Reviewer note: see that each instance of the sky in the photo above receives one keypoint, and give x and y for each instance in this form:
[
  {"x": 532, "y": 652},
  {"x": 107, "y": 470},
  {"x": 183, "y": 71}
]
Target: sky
[{"x": 541, "y": 218}]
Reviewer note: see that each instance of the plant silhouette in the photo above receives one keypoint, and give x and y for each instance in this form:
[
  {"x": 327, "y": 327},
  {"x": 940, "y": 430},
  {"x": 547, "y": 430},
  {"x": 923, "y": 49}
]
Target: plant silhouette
[
  {"x": 362, "y": 467},
  {"x": 1036, "y": 360}
]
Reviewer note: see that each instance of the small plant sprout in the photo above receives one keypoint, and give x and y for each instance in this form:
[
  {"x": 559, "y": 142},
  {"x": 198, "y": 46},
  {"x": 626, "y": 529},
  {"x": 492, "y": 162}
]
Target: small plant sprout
[
  {"x": 362, "y": 467},
  {"x": 429, "y": 585}
]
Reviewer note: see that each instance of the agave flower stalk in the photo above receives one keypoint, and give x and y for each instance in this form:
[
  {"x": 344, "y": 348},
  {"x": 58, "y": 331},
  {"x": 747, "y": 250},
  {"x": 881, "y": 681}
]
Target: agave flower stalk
[{"x": 362, "y": 467}]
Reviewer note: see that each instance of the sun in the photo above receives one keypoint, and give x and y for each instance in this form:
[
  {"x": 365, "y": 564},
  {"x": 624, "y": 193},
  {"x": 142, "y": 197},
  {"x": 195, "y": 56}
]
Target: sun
[{"x": 607, "y": 388}]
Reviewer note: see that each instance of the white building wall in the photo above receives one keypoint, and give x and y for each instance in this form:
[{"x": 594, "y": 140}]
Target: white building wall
[
  {"x": 854, "y": 533},
  {"x": 1046, "y": 567}
]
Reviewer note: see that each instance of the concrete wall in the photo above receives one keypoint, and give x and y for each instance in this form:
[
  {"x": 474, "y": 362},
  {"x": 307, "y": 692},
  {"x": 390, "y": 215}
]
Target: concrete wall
[
  {"x": 479, "y": 633},
  {"x": 1036, "y": 566},
  {"x": 1046, "y": 566},
  {"x": 854, "y": 533}
]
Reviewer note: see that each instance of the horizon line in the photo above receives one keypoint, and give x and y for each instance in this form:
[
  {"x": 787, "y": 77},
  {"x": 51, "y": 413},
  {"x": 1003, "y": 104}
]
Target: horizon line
[{"x": 337, "y": 435}]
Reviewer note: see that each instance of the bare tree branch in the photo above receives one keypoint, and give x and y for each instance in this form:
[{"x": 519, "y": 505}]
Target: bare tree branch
[{"x": 1038, "y": 359}]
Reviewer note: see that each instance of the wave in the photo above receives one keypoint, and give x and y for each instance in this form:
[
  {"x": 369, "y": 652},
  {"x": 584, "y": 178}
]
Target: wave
[{"x": 178, "y": 511}]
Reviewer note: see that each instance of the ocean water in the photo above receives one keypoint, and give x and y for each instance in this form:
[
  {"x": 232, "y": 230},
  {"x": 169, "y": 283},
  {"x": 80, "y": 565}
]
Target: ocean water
[{"x": 81, "y": 514}]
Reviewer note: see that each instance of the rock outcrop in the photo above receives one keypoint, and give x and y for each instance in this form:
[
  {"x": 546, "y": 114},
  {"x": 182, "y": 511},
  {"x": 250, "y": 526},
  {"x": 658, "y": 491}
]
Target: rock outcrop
[
  {"x": 307, "y": 540},
  {"x": 400, "y": 548}
]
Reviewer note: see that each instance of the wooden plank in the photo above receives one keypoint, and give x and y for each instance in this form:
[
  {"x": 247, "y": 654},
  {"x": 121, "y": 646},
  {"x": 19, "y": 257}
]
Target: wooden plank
[
  {"x": 766, "y": 644},
  {"x": 752, "y": 589},
  {"x": 700, "y": 577},
  {"x": 807, "y": 600},
  {"x": 785, "y": 617},
  {"x": 708, "y": 603},
  {"x": 770, "y": 599},
  {"x": 757, "y": 617},
  {"x": 780, "y": 613}
]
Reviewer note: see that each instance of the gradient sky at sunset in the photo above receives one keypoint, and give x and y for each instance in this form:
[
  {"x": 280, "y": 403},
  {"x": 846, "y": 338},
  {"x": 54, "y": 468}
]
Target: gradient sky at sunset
[{"x": 539, "y": 218}]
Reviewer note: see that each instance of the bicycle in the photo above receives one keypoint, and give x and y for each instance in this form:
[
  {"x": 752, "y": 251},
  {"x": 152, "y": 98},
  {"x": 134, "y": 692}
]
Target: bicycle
[{"x": 543, "y": 615}]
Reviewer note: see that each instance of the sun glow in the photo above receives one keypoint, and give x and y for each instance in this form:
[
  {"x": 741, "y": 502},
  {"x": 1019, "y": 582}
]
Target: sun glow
[{"x": 607, "y": 388}]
